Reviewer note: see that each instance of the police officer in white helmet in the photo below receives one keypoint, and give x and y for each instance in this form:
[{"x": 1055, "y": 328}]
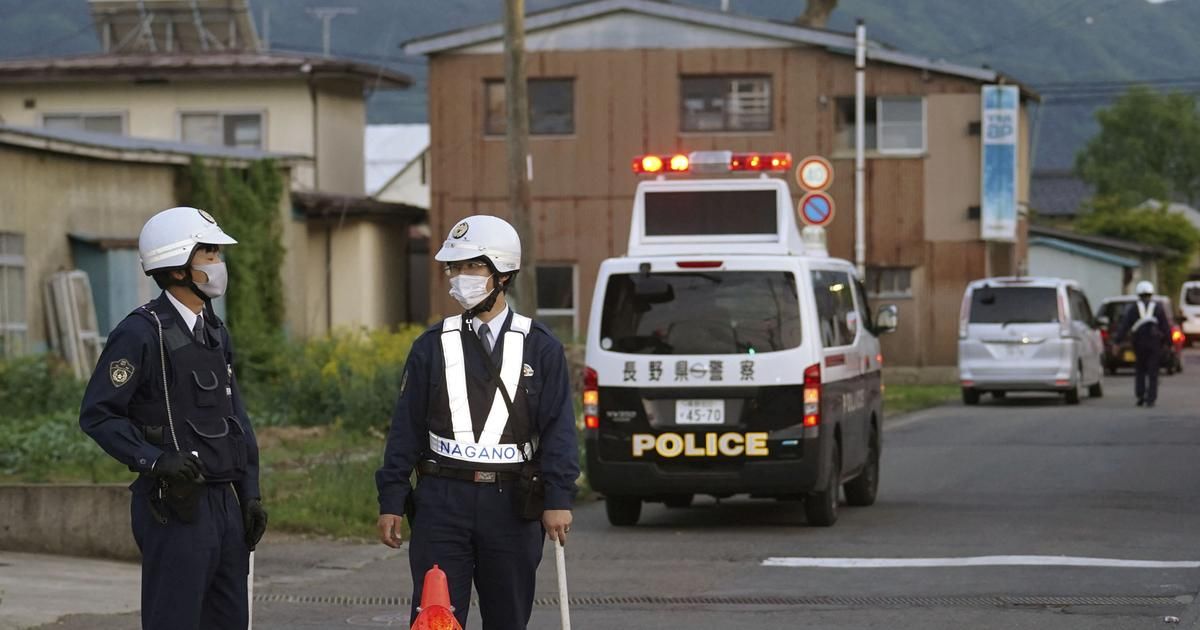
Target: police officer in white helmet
[
  {"x": 164, "y": 401},
  {"x": 485, "y": 417},
  {"x": 1150, "y": 328}
]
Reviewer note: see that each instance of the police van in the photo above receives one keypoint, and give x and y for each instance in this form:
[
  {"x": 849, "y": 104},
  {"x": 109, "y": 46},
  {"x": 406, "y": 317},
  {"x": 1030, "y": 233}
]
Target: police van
[{"x": 727, "y": 353}]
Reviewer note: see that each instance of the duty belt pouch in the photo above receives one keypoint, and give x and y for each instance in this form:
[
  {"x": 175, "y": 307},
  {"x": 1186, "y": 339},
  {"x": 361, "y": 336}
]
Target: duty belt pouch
[
  {"x": 529, "y": 491},
  {"x": 182, "y": 499}
]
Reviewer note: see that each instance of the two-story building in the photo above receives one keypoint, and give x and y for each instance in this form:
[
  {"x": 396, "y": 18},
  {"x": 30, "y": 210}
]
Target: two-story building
[
  {"x": 613, "y": 79},
  {"x": 279, "y": 103}
]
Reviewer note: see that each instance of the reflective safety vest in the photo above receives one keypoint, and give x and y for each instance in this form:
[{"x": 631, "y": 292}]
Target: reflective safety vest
[
  {"x": 1145, "y": 315},
  {"x": 490, "y": 438}
]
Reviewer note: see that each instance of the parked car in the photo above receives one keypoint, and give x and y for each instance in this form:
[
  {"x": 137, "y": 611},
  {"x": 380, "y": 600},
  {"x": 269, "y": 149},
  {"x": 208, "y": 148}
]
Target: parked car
[
  {"x": 1189, "y": 304},
  {"x": 1120, "y": 355},
  {"x": 1028, "y": 334}
]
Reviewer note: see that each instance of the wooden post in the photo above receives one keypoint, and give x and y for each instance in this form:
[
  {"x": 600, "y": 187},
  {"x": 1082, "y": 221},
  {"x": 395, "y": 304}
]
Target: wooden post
[{"x": 519, "y": 168}]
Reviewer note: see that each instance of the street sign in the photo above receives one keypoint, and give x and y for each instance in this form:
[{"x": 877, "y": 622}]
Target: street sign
[
  {"x": 816, "y": 209},
  {"x": 814, "y": 173}
]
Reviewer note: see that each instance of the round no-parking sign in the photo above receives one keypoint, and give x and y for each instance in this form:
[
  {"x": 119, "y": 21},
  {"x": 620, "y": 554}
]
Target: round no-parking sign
[{"x": 816, "y": 209}]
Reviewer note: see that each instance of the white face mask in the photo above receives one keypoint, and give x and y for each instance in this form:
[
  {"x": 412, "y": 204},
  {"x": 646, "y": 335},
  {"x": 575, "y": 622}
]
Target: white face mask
[
  {"x": 469, "y": 291},
  {"x": 218, "y": 279}
]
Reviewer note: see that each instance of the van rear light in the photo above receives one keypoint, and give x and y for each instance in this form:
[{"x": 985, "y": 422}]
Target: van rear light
[
  {"x": 964, "y": 314},
  {"x": 812, "y": 395},
  {"x": 1064, "y": 315},
  {"x": 591, "y": 399},
  {"x": 1176, "y": 334},
  {"x": 698, "y": 264}
]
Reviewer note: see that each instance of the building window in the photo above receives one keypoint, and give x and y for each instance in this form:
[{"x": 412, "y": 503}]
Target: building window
[
  {"x": 890, "y": 282},
  {"x": 218, "y": 129},
  {"x": 725, "y": 103},
  {"x": 99, "y": 123},
  {"x": 894, "y": 124},
  {"x": 14, "y": 328},
  {"x": 551, "y": 107},
  {"x": 556, "y": 299}
]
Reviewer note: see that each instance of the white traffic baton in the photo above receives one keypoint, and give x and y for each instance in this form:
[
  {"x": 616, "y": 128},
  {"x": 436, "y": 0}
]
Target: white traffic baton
[
  {"x": 564, "y": 603},
  {"x": 250, "y": 594}
]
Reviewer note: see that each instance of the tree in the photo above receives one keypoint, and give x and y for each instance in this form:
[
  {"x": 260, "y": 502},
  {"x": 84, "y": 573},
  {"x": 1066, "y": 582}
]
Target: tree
[
  {"x": 1148, "y": 148},
  {"x": 816, "y": 13},
  {"x": 1150, "y": 226}
]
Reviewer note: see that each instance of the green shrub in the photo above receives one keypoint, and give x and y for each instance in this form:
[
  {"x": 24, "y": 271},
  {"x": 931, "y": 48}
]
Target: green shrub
[
  {"x": 36, "y": 385},
  {"x": 350, "y": 377}
]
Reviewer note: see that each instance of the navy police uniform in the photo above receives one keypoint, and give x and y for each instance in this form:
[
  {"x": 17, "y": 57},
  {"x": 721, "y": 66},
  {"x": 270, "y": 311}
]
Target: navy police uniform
[
  {"x": 1151, "y": 330},
  {"x": 452, "y": 425},
  {"x": 195, "y": 557}
]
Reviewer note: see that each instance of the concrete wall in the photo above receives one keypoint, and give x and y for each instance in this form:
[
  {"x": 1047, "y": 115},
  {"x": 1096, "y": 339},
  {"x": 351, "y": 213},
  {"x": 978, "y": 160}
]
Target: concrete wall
[
  {"x": 46, "y": 196},
  {"x": 76, "y": 520},
  {"x": 1097, "y": 278}
]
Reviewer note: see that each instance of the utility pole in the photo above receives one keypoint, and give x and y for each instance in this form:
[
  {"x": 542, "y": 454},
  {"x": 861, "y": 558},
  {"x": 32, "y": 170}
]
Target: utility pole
[
  {"x": 326, "y": 15},
  {"x": 860, "y": 163},
  {"x": 520, "y": 167}
]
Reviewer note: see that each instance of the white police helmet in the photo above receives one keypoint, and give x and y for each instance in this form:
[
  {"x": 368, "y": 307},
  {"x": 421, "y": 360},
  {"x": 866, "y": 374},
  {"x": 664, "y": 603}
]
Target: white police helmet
[
  {"x": 169, "y": 238},
  {"x": 483, "y": 235},
  {"x": 1145, "y": 287}
]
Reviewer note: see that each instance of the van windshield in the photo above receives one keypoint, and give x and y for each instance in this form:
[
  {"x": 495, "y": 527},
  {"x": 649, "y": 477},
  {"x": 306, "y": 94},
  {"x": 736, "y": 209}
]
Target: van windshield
[
  {"x": 1010, "y": 305},
  {"x": 717, "y": 312},
  {"x": 1191, "y": 297}
]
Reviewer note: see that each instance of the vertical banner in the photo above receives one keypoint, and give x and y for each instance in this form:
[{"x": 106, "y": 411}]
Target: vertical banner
[{"x": 998, "y": 207}]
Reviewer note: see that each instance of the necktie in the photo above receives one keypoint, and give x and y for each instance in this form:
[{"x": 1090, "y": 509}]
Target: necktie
[
  {"x": 198, "y": 330},
  {"x": 485, "y": 337}
]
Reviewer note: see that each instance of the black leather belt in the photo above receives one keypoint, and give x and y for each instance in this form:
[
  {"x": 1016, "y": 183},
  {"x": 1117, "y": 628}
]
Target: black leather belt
[{"x": 433, "y": 469}]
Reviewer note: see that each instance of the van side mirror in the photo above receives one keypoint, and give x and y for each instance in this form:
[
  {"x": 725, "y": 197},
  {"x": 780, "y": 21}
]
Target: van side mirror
[{"x": 886, "y": 319}]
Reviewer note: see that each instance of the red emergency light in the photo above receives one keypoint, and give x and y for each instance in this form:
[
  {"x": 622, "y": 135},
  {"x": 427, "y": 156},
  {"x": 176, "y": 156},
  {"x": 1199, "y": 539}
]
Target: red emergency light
[
  {"x": 680, "y": 163},
  {"x": 677, "y": 163},
  {"x": 760, "y": 162}
]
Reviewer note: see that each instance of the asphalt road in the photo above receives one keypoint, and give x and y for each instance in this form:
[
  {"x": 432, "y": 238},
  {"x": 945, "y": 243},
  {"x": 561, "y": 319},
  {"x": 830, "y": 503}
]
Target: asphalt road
[{"x": 1026, "y": 476}]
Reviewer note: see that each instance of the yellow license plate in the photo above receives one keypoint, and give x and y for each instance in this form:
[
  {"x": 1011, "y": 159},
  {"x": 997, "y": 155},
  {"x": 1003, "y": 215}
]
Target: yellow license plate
[{"x": 1130, "y": 357}]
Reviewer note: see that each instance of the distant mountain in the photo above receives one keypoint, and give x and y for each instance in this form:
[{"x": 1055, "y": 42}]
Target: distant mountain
[{"x": 1078, "y": 53}]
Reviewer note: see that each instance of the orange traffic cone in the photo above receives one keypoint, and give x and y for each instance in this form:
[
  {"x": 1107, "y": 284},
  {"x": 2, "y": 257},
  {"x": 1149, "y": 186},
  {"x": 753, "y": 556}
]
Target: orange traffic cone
[{"x": 435, "y": 611}]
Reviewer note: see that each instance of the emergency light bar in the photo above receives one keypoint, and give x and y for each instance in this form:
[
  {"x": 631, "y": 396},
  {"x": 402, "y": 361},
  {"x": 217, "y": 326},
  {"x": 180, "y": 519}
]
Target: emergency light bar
[{"x": 711, "y": 162}]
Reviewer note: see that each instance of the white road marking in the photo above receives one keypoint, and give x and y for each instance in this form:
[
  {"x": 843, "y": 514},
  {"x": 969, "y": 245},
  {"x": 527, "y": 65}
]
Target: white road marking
[{"x": 976, "y": 561}]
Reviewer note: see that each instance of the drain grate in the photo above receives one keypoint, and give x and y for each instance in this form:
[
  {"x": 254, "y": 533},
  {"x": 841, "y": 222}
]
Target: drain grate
[{"x": 872, "y": 601}]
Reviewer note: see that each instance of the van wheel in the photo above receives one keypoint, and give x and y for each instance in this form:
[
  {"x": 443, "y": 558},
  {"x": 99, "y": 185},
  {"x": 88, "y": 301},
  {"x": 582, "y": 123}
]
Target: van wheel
[
  {"x": 862, "y": 490},
  {"x": 679, "y": 500},
  {"x": 623, "y": 511},
  {"x": 1097, "y": 390},
  {"x": 970, "y": 396},
  {"x": 1072, "y": 395},
  {"x": 821, "y": 508}
]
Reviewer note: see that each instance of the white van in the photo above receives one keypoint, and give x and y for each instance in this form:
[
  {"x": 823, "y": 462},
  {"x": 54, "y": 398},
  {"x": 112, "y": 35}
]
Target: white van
[
  {"x": 726, "y": 355},
  {"x": 1189, "y": 307},
  {"x": 1028, "y": 334}
]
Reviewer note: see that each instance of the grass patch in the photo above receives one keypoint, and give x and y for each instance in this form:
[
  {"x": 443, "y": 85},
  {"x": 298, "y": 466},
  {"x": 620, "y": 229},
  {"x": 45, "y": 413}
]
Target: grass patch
[
  {"x": 898, "y": 399},
  {"x": 321, "y": 480}
]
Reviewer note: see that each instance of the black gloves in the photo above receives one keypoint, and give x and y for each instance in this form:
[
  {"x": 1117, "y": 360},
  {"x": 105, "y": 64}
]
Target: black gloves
[
  {"x": 178, "y": 467},
  {"x": 254, "y": 517}
]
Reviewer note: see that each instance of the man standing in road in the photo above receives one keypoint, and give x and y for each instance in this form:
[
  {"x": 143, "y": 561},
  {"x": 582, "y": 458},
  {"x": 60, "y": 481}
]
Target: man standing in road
[
  {"x": 485, "y": 417},
  {"x": 163, "y": 401},
  {"x": 1146, "y": 321}
]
